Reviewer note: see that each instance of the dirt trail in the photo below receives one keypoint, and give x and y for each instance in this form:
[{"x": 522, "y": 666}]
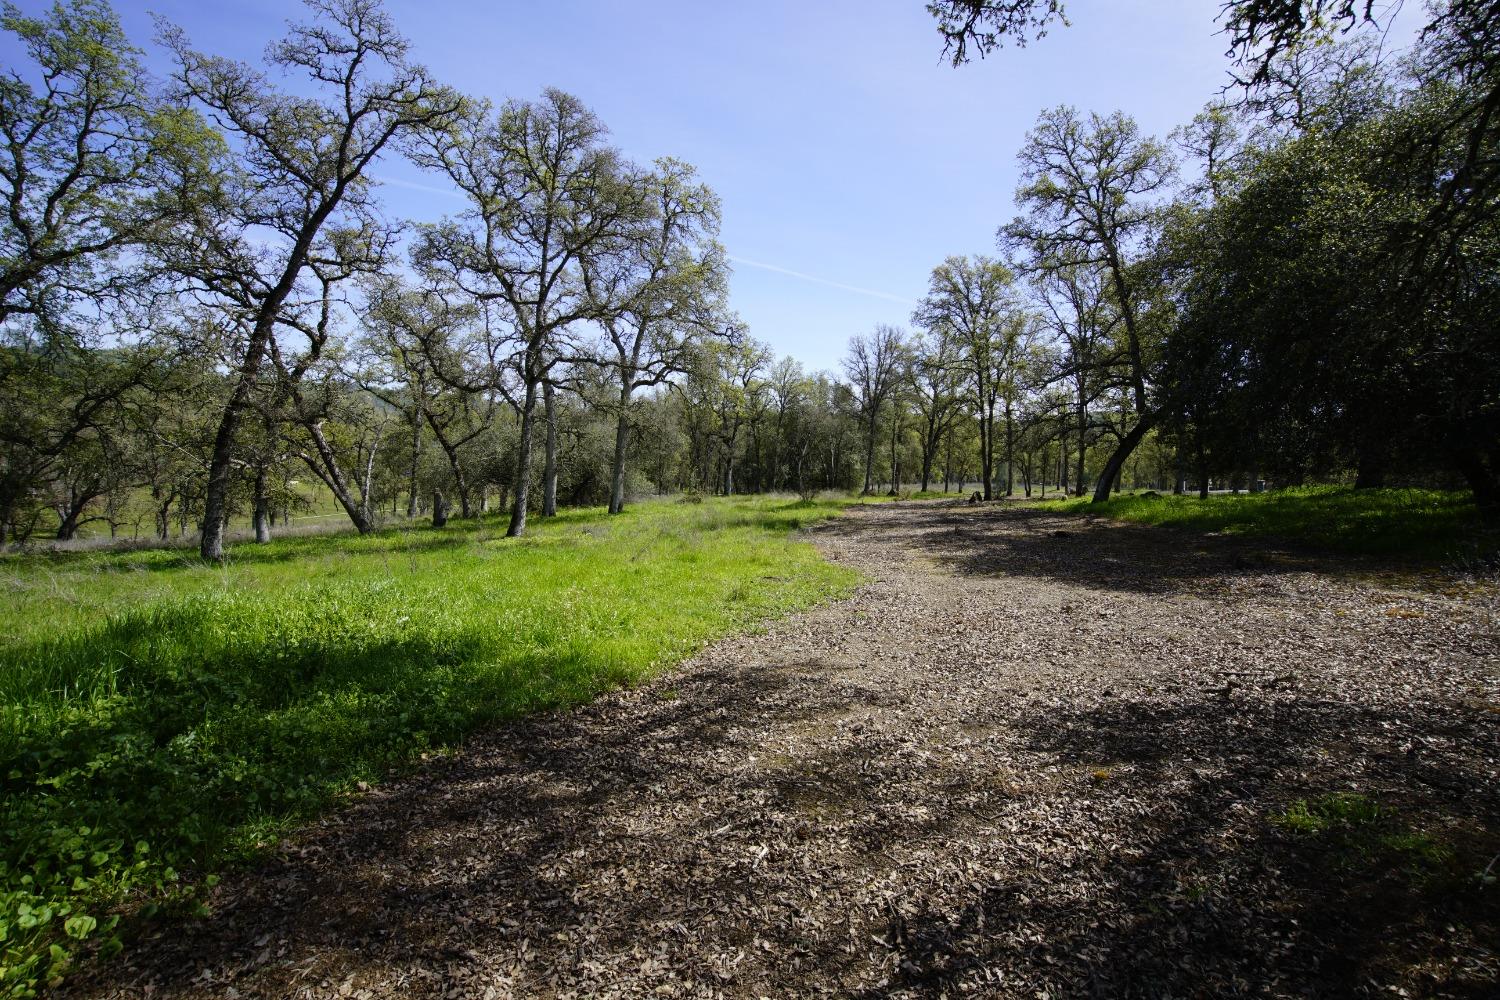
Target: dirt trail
[{"x": 1034, "y": 756}]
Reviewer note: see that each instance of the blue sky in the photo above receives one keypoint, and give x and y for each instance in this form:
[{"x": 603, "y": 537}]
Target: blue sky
[{"x": 849, "y": 157}]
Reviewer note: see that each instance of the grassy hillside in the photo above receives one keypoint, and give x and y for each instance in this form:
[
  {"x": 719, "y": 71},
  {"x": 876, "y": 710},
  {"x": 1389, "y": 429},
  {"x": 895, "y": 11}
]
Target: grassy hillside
[{"x": 157, "y": 714}]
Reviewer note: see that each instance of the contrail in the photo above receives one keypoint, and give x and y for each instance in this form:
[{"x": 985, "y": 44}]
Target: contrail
[
  {"x": 432, "y": 189},
  {"x": 820, "y": 281},
  {"x": 415, "y": 186}
]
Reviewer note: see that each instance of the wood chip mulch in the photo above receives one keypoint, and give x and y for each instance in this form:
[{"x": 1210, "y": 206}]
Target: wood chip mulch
[{"x": 1033, "y": 757}]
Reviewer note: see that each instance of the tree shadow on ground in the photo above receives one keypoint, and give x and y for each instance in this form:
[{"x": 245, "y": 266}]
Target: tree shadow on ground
[
  {"x": 531, "y": 812},
  {"x": 1011, "y": 539},
  {"x": 521, "y": 846},
  {"x": 1211, "y": 893}
]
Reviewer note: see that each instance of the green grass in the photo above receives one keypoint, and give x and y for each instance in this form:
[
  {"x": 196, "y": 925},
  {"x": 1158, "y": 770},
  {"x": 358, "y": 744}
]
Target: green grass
[
  {"x": 1428, "y": 524},
  {"x": 158, "y": 715},
  {"x": 1360, "y": 833}
]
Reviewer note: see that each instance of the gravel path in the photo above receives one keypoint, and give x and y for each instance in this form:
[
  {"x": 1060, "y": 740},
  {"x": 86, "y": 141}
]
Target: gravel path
[{"x": 1034, "y": 756}]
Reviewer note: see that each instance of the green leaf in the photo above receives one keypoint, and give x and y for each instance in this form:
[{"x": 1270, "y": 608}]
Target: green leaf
[{"x": 80, "y": 926}]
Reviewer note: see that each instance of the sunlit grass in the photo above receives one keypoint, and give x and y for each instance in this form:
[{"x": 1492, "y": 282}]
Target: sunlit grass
[{"x": 158, "y": 714}]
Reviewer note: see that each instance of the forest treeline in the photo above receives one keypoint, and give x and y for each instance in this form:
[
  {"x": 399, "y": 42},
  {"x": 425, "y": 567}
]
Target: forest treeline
[{"x": 204, "y": 304}]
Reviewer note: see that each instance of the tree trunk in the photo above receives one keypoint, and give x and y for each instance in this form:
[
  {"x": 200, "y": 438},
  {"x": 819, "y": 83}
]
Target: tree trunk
[
  {"x": 67, "y": 525},
  {"x": 261, "y": 511},
  {"x": 778, "y": 442},
  {"x": 756, "y": 483},
  {"x": 333, "y": 477},
  {"x": 1122, "y": 451},
  {"x": 221, "y": 459},
  {"x": 549, "y": 463},
  {"x": 1083, "y": 429},
  {"x": 931, "y": 441},
  {"x": 460, "y": 478},
  {"x": 617, "y": 470},
  {"x": 1483, "y": 476},
  {"x": 367, "y": 481},
  {"x": 522, "y": 483},
  {"x": 439, "y": 509},
  {"x": 416, "y": 465},
  {"x": 948, "y": 460},
  {"x": 1062, "y": 461},
  {"x": 1370, "y": 473},
  {"x": 986, "y": 454},
  {"x": 1010, "y": 449},
  {"x": 220, "y": 464},
  {"x": 895, "y": 461},
  {"x": 164, "y": 520},
  {"x": 870, "y": 457}
]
